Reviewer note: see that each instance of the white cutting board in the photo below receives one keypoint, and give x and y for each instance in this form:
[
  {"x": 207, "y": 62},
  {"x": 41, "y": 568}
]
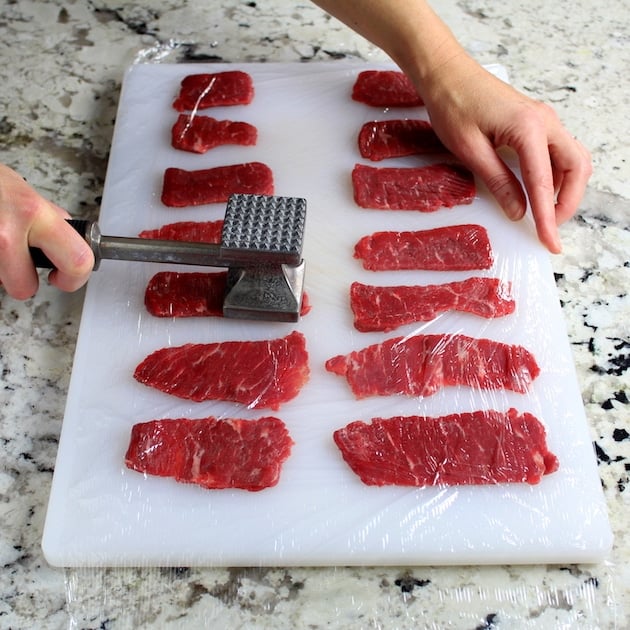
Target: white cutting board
[{"x": 101, "y": 513}]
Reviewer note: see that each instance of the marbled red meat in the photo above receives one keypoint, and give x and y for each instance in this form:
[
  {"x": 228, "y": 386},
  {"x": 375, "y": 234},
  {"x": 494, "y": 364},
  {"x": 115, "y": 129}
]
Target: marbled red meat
[
  {"x": 478, "y": 448},
  {"x": 423, "y": 364},
  {"x": 198, "y": 134},
  {"x": 191, "y": 294},
  {"x": 452, "y": 248},
  {"x": 385, "y": 88},
  {"x": 215, "y": 185},
  {"x": 426, "y": 188},
  {"x": 259, "y": 374},
  {"x": 191, "y": 231},
  {"x": 210, "y": 452},
  {"x": 200, "y": 91},
  {"x": 381, "y": 139},
  {"x": 378, "y": 308}
]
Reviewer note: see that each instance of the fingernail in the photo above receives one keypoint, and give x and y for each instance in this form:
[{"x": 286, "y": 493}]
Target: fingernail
[
  {"x": 514, "y": 210},
  {"x": 557, "y": 243}
]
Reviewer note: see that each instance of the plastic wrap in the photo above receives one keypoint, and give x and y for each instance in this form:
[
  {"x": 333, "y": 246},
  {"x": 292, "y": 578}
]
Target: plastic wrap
[{"x": 103, "y": 514}]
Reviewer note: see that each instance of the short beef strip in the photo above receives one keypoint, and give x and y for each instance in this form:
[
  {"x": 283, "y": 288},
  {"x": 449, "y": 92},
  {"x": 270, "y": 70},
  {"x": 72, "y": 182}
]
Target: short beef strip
[
  {"x": 387, "y": 308},
  {"x": 478, "y": 448},
  {"x": 200, "y": 91},
  {"x": 385, "y": 88},
  {"x": 192, "y": 231},
  {"x": 191, "y": 294},
  {"x": 452, "y": 248},
  {"x": 187, "y": 294},
  {"x": 259, "y": 374},
  {"x": 424, "y": 189},
  {"x": 198, "y": 134},
  {"x": 382, "y": 139},
  {"x": 210, "y": 452},
  {"x": 423, "y": 364},
  {"x": 182, "y": 188}
]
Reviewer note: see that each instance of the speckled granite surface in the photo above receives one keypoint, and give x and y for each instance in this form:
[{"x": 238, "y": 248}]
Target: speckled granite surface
[{"x": 61, "y": 72}]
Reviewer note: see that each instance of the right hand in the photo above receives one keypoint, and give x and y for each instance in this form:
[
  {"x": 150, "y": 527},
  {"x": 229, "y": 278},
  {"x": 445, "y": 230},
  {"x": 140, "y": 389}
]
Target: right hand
[
  {"x": 27, "y": 219},
  {"x": 475, "y": 114}
]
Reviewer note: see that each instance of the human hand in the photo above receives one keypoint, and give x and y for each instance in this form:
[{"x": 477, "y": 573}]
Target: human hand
[
  {"x": 475, "y": 113},
  {"x": 27, "y": 219}
]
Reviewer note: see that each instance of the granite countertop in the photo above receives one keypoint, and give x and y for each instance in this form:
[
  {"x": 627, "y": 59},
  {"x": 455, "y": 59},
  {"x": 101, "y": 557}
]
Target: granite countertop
[{"x": 63, "y": 63}]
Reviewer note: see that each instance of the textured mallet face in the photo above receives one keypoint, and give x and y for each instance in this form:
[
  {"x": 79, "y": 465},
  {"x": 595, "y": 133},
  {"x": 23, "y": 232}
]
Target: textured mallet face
[
  {"x": 263, "y": 237},
  {"x": 261, "y": 229}
]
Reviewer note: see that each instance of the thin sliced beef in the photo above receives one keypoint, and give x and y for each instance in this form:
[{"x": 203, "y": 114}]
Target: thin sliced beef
[
  {"x": 259, "y": 374},
  {"x": 478, "y": 448},
  {"x": 381, "y": 139},
  {"x": 198, "y": 134},
  {"x": 183, "y": 188},
  {"x": 452, "y": 248},
  {"x": 426, "y": 188},
  {"x": 423, "y": 364},
  {"x": 200, "y": 91},
  {"x": 210, "y": 452},
  {"x": 387, "y": 308},
  {"x": 191, "y": 294},
  {"x": 385, "y": 88},
  {"x": 191, "y": 231}
]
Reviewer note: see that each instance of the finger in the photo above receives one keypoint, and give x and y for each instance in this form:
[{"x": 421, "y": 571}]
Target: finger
[
  {"x": 70, "y": 254},
  {"x": 572, "y": 163},
  {"x": 503, "y": 185},
  {"x": 536, "y": 170},
  {"x": 17, "y": 272}
]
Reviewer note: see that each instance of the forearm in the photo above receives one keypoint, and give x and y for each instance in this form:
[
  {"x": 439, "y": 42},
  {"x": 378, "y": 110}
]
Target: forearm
[{"x": 409, "y": 31}]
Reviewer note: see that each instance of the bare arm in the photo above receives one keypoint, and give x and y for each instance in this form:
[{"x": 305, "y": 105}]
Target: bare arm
[{"x": 474, "y": 113}]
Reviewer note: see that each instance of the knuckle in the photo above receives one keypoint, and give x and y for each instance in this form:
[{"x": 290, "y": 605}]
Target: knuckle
[
  {"x": 31, "y": 206},
  {"x": 543, "y": 182},
  {"x": 5, "y": 240},
  {"x": 84, "y": 261},
  {"x": 587, "y": 164},
  {"x": 534, "y": 124},
  {"x": 536, "y": 117},
  {"x": 545, "y": 110},
  {"x": 80, "y": 261},
  {"x": 499, "y": 182}
]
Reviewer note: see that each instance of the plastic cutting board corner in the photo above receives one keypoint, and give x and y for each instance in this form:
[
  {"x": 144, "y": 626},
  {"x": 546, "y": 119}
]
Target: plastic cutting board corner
[{"x": 102, "y": 514}]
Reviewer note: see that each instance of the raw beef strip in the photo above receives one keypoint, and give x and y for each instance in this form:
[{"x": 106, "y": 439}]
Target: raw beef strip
[
  {"x": 210, "y": 452},
  {"x": 199, "y": 134},
  {"x": 421, "y": 365},
  {"x": 174, "y": 294},
  {"x": 385, "y": 88},
  {"x": 451, "y": 248},
  {"x": 425, "y": 188},
  {"x": 258, "y": 374},
  {"x": 191, "y": 231},
  {"x": 214, "y": 185},
  {"x": 396, "y": 138},
  {"x": 200, "y": 91},
  {"x": 191, "y": 294},
  {"x": 478, "y": 448},
  {"x": 387, "y": 308}
]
